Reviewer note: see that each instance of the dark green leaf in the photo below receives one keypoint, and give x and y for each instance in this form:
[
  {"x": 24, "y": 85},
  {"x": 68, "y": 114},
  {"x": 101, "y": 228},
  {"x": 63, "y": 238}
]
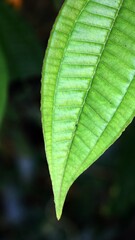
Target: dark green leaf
[{"x": 4, "y": 77}]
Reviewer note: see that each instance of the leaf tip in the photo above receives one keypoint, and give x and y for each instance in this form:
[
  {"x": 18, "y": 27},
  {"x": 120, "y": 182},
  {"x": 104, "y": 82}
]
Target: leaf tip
[
  {"x": 58, "y": 210},
  {"x": 58, "y": 216}
]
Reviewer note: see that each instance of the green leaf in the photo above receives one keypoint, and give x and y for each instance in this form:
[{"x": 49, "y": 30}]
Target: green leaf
[
  {"x": 88, "y": 86},
  {"x": 4, "y": 77}
]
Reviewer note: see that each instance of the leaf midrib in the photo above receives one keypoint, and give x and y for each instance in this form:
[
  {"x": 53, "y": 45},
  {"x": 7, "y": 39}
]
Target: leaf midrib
[
  {"x": 91, "y": 82},
  {"x": 64, "y": 51}
]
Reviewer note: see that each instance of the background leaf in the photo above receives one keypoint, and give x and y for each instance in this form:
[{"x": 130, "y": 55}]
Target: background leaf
[
  {"x": 4, "y": 77},
  {"x": 21, "y": 47},
  {"x": 88, "y": 86}
]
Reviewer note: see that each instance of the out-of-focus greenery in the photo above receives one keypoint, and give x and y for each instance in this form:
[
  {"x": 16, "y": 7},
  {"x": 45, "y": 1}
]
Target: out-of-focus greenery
[
  {"x": 4, "y": 77},
  {"x": 101, "y": 204},
  {"x": 20, "y": 51},
  {"x": 57, "y": 3},
  {"x": 20, "y": 45}
]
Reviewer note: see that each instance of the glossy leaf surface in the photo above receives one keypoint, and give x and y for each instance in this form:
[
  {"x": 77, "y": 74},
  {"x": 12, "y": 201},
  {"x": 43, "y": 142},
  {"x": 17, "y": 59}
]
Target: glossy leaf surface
[{"x": 88, "y": 86}]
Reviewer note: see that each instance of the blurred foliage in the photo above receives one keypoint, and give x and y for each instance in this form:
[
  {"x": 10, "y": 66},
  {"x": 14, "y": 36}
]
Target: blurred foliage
[
  {"x": 4, "y": 77},
  {"x": 20, "y": 45},
  {"x": 101, "y": 203},
  {"x": 57, "y": 3},
  {"x": 20, "y": 51}
]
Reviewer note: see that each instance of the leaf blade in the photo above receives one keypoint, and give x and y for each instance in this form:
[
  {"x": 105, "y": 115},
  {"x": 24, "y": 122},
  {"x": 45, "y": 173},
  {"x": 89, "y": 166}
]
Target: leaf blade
[{"x": 96, "y": 61}]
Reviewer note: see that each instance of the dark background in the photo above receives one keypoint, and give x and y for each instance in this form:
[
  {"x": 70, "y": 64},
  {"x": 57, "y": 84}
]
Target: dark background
[{"x": 101, "y": 203}]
